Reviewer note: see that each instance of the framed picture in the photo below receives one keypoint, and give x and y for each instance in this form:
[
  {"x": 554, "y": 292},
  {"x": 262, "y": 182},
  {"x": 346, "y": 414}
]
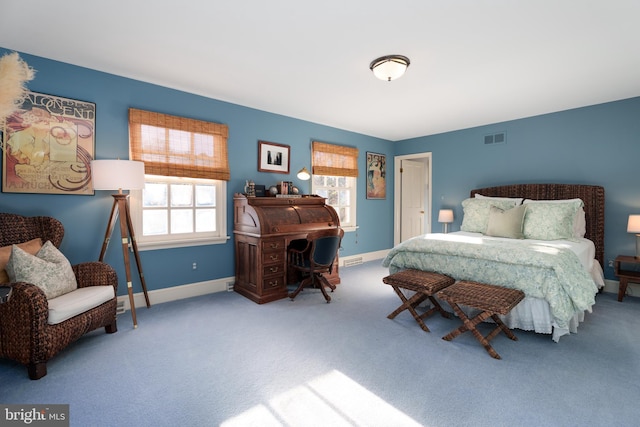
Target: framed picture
[
  {"x": 48, "y": 144},
  {"x": 273, "y": 157},
  {"x": 376, "y": 176}
]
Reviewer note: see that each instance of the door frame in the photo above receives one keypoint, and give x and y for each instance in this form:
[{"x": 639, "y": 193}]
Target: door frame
[{"x": 397, "y": 191}]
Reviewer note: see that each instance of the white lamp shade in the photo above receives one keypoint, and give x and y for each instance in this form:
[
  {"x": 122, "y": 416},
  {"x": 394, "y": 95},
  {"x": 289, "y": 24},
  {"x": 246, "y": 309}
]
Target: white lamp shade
[
  {"x": 445, "y": 215},
  {"x": 117, "y": 174},
  {"x": 633, "y": 226},
  {"x": 304, "y": 174}
]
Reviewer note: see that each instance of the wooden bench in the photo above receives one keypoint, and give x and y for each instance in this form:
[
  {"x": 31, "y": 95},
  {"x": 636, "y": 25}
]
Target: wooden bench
[
  {"x": 490, "y": 299},
  {"x": 425, "y": 284}
]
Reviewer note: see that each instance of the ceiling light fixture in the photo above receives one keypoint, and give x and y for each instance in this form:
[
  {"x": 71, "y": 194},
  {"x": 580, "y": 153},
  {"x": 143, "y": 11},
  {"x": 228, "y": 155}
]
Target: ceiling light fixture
[{"x": 389, "y": 67}]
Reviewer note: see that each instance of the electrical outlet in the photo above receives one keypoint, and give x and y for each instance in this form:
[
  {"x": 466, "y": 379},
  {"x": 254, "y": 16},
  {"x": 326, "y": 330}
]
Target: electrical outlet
[
  {"x": 194, "y": 266},
  {"x": 611, "y": 263}
]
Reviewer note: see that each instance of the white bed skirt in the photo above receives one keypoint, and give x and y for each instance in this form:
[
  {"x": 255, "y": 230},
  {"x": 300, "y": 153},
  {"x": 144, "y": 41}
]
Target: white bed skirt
[{"x": 531, "y": 314}]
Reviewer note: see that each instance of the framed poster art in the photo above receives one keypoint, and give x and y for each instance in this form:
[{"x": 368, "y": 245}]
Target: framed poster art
[
  {"x": 48, "y": 144},
  {"x": 376, "y": 176},
  {"x": 273, "y": 157}
]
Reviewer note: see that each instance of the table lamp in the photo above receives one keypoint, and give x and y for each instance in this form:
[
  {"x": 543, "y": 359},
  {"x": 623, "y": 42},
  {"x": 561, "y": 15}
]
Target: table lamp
[
  {"x": 633, "y": 226},
  {"x": 121, "y": 175},
  {"x": 445, "y": 216},
  {"x": 303, "y": 174}
]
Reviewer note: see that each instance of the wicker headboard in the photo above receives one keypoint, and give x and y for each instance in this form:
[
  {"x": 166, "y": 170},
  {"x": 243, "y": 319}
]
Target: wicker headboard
[{"x": 591, "y": 195}]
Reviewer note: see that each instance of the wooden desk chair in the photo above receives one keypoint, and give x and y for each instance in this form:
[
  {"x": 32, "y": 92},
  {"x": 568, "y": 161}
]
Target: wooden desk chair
[{"x": 315, "y": 259}]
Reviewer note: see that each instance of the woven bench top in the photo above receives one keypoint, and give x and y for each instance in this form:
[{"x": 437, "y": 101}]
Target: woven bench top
[
  {"x": 419, "y": 281},
  {"x": 491, "y": 298}
]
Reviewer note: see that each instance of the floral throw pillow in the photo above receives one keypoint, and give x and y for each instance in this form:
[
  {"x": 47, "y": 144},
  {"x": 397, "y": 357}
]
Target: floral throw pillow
[
  {"x": 32, "y": 247},
  {"x": 48, "y": 269},
  {"x": 550, "y": 221}
]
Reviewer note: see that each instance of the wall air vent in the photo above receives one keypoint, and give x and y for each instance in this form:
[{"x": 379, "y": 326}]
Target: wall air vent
[
  {"x": 496, "y": 138},
  {"x": 350, "y": 262},
  {"x": 120, "y": 307}
]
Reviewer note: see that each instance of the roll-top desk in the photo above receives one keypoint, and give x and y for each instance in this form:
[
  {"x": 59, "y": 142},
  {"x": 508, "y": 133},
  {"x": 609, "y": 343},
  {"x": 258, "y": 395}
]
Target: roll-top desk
[{"x": 263, "y": 229}]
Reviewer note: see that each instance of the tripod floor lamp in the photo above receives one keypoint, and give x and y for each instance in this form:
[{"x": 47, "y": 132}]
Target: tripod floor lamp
[{"x": 121, "y": 175}]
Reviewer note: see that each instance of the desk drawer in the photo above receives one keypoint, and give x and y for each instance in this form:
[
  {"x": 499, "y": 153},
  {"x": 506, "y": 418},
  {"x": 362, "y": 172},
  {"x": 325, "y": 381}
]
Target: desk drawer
[
  {"x": 273, "y": 269},
  {"x": 273, "y": 245},
  {"x": 273, "y": 257},
  {"x": 273, "y": 284}
]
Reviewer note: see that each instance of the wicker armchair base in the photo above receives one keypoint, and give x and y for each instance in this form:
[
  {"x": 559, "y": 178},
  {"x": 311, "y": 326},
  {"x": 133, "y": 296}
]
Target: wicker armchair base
[
  {"x": 490, "y": 299},
  {"x": 25, "y": 334},
  {"x": 425, "y": 284}
]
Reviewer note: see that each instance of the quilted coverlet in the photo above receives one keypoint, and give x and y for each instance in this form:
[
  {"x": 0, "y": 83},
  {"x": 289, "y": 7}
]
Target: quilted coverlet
[{"x": 541, "y": 271}]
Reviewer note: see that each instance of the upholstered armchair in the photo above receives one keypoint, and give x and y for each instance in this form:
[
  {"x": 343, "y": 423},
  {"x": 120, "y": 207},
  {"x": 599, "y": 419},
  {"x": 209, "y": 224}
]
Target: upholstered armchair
[{"x": 34, "y": 328}]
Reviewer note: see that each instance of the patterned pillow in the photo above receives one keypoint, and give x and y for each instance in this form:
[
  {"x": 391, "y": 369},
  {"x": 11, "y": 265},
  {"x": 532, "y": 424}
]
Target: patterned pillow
[
  {"x": 516, "y": 200},
  {"x": 579, "y": 222},
  {"x": 32, "y": 247},
  {"x": 476, "y": 213},
  {"x": 48, "y": 269},
  {"x": 550, "y": 221}
]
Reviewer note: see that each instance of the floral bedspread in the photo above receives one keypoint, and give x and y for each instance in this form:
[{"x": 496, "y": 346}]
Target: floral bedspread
[{"x": 554, "y": 274}]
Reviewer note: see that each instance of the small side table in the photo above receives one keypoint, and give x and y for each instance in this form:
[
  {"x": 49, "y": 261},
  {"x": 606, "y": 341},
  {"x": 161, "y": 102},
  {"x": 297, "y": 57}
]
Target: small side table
[{"x": 626, "y": 276}]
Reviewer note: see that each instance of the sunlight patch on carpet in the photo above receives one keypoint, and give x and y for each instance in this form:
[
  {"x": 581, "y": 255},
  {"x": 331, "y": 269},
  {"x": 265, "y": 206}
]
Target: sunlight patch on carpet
[{"x": 332, "y": 399}]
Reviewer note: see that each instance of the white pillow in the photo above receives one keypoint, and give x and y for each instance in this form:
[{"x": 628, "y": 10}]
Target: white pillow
[
  {"x": 579, "y": 222},
  {"x": 550, "y": 220},
  {"x": 516, "y": 200},
  {"x": 48, "y": 269}
]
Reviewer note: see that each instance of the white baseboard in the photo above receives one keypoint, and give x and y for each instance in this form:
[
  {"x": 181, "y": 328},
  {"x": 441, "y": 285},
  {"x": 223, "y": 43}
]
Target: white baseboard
[
  {"x": 633, "y": 289},
  {"x": 175, "y": 293},
  {"x": 179, "y": 292},
  {"x": 352, "y": 260}
]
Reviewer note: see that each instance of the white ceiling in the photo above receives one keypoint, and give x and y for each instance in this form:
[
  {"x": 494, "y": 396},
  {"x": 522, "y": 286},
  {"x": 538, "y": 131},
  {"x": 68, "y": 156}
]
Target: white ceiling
[{"x": 473, "y": 62}]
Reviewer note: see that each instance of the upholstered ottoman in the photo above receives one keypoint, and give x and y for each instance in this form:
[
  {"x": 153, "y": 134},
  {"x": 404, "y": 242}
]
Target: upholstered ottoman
[{"x": 425, "y": 284}]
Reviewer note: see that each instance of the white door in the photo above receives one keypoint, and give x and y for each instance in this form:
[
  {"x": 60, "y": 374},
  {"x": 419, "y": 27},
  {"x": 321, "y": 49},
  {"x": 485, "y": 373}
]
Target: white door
[{"x": 412, "y": 184}]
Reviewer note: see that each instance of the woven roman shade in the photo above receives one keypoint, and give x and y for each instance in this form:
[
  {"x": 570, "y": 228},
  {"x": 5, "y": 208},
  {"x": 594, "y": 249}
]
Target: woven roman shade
[
  {"x": 334, "y": 160},
  {"x": 177, "y": 146}
]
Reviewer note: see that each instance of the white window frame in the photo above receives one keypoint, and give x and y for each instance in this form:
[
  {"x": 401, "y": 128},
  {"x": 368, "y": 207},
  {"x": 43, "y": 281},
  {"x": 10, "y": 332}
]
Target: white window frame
[
  {"x": 352, "y": 183},
  {"x": 184, "y": 239}
]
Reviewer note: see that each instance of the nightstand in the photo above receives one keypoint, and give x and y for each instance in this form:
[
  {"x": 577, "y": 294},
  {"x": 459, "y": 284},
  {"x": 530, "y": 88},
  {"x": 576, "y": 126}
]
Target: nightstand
[{"x": 626, "y": 276}]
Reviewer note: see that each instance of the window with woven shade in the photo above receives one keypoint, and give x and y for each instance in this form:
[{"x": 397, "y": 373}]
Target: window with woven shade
[
  {"x": 186, "y": 169},
  {"x": 335, "y": 171},
  {"x": 178, "y": 146}
]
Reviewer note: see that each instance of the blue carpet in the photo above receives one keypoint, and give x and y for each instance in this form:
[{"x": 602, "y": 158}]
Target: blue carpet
[{"x": 223, "y": 360}]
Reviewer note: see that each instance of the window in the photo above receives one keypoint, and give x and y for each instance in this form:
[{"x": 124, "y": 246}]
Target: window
[
  {"x": 340, "y": 192},
  {"x": 186, "y": 169},
  {"x": 335, "y": 171}
]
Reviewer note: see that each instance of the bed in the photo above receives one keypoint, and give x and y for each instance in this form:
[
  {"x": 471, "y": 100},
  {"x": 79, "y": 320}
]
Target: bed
[{"x": 555, "y": 256}]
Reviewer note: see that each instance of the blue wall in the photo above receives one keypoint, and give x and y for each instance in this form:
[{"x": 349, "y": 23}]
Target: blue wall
[
  {"x": 597, "y": 145},
  {"x": 590, "y": 145},
  {"x": 85, "y": 217}
]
